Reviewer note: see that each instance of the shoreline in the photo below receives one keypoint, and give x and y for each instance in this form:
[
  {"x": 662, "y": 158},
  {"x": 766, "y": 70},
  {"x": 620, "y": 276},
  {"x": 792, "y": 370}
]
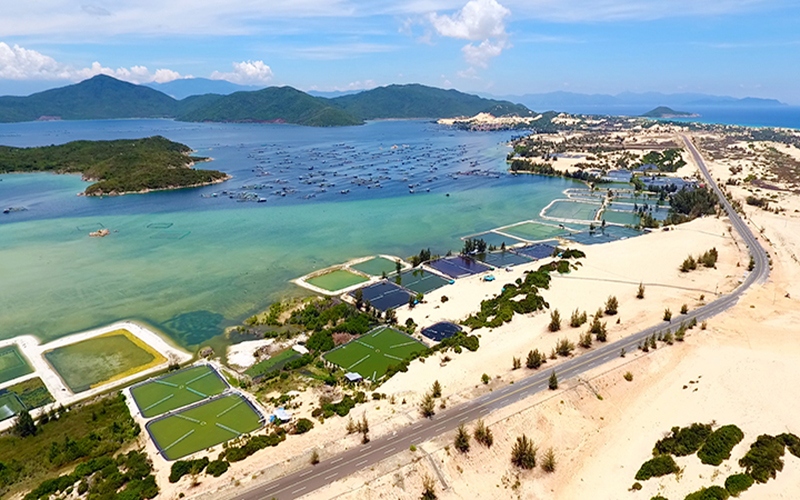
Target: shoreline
[
  {"x": 34, "y": 352},
  {"x": 156, "y": 190}
]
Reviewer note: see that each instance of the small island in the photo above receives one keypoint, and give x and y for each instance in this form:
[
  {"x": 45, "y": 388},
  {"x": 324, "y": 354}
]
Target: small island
[
  {"x": 665, "y": 112},
  {"x": 118, "y": 167}
]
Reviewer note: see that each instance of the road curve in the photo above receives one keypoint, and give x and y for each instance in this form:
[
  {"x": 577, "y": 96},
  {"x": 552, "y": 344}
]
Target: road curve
[{"x": 314, "y": 477}]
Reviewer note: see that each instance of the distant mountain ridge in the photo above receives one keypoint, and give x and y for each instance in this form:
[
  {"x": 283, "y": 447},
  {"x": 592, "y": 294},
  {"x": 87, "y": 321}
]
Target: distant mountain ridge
[
  {"x": 576, "y": 102},
  {"x": 104, "y": 97}
]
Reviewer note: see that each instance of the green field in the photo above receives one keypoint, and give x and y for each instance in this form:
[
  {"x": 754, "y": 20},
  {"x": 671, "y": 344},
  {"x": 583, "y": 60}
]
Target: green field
[
  {"x": 203, "y": 426},
  {"x": 101, "y": 359},
  {"x": 336, "y": 280},
  {"x": 276, "y": 362},
  {"x": 10, "y": 405},
  {"x": 12, "y": 364},
  {"x": 373, "y": 353},
  {"x": 32, "y": 392},
  {"x": 533, "y": 231},
  {"x": 177, "y": 390}
]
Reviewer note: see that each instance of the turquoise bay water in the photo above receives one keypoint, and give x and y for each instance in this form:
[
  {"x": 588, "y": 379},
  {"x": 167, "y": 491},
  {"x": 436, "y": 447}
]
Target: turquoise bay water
[{"x": 192, "y": 265}]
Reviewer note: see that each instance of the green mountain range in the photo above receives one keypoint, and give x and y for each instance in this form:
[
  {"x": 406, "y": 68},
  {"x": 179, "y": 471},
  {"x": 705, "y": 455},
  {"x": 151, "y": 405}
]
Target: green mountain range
[
  {"x": 104, "y": 97},
  {"x": 273, "y": 104}
]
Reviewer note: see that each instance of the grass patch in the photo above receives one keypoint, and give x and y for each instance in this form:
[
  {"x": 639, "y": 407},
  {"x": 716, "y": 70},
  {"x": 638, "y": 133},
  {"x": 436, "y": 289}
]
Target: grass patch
[
  {"x": 177, "y": 389},
  {"x": 336, "y": 280},
  {"x": 372, "y": 354},
  {"x": 657, "y": 467},
  {"x": 203, "y": 426},
  {"x": 92, "y": 430},
  {"x": 719, "y": 444},
  {"x": 32, "y": 393},
  {"x": 12, "y": 364},
  {"x": 272, "y": 364},
  {"x": 100, "y": 360}
]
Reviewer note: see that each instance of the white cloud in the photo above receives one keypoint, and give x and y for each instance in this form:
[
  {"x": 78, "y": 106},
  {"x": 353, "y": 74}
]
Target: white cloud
[
  {"x": 477, "y": 20},
  {"x": 482, "y": 22},
  {"x": 19, "y": 63},
  {"x": 95, "y": 20},
  {"x": 481, "y": 54},
  {"x": 246, "y": 73}
]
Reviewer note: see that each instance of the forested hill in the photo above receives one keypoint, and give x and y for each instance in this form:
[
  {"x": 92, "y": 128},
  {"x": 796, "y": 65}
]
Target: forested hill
[
  {"x": 419, "y": 101},
  {"x": 273, "y": 104},
  {"x": 118, "y": 167},
  {"x": 103, "y": 97}
]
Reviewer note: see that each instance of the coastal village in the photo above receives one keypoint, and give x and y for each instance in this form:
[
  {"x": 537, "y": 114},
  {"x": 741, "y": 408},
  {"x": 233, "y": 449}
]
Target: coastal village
[{"x": 384, "y": 343}]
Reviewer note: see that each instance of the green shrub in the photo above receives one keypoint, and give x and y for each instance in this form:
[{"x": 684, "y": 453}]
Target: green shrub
[
  {"x": 683, "y": 441},
  {"x": 792, "y": 442},
  {"x": 303, "y": 425},
  {"x": 719, "y": 444},
  {"x": 710, "y": 493},
  {"x": 217, "y": 467},
  {"x": 658, "y": 497},
  {"x": 181, "y": 468},
  {"x": 738, "y": 483},
  {"x": 252, "y": 445},
  {"x": 656, "y": 467},
  {"x": 763, "y": 460}
]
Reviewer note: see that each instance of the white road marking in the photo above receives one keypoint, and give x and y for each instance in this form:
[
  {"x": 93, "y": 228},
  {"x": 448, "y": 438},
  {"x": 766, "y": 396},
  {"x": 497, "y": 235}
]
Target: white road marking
[
  {"x": 306, "y": 472},
  {"x": 359, "y": 464},
  {"x": 298, "y": 490},
  {"x": 331, "y": 476},
  {"x": 336, "y": 460},
  {"x": 390, "y": 450}
]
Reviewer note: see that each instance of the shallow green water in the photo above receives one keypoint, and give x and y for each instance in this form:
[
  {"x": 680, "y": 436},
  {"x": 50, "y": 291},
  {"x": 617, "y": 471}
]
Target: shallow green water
[{"x": 192, "y": 266}]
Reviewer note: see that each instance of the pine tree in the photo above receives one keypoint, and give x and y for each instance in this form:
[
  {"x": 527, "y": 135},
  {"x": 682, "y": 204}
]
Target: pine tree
[
  {"x": 640, "y": 291},
  {"x": 24, "y": 426},
  {"x": 461, "y": 441},
  {"x": 523, "y": 454},
  {"x": 516, "y": 363},
  {"x": 436, "y": 390},
  {"x": 555, "y": 321},
  {"x": 427, "y": 405},
  {"x": 612, "y": 305},
  {"x": 483, "y": 434},
  {"x": 552, "y": 383},
  {"x": 549, "y": 461},
  {"x": 428, "y": 488},
  {"x": 534, "y": 360}
]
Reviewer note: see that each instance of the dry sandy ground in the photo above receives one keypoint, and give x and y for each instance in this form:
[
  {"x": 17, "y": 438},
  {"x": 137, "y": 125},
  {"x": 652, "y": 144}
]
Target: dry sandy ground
[
  {"x": 726, "y": 370},
  {"x": 652, "y": 259},
  {"x": 743, "y": 370},
  {"x": 729, "y": 370}
]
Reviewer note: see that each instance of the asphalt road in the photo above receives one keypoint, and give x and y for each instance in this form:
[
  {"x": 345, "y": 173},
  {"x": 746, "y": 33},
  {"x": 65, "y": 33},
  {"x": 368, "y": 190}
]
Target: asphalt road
[{"x": 346, "y": 463}]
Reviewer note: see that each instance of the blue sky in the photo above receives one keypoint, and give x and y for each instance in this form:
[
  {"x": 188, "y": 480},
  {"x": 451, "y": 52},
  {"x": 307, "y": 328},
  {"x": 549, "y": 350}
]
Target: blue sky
[{"x": 504, "y": 47}]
